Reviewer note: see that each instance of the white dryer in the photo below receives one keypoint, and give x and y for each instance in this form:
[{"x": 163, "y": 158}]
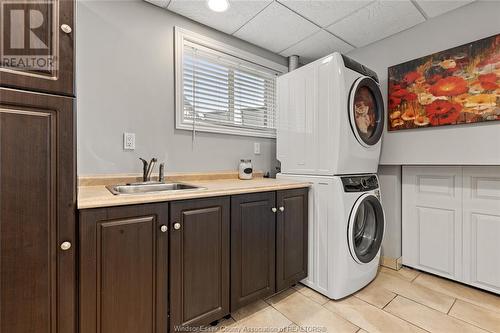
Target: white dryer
[
  {"x": 330, "y": 118},
  {"x": 346, "y": 228}
]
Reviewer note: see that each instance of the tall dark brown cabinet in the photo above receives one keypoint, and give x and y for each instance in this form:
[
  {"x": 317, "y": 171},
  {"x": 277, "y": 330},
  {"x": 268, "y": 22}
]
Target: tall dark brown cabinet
[{"x": 38, "y": 186}]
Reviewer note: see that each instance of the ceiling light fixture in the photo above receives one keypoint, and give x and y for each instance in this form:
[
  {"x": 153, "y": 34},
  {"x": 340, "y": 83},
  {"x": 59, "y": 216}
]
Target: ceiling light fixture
[{"x": 218, "y": 5}]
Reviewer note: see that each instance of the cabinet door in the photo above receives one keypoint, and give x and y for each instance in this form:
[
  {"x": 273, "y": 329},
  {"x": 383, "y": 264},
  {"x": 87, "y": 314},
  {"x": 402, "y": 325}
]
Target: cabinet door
[
  {"x": 44, "y": 31},
  {"x": 123, "y": 269},
  {"x": 482, "y": 227},
  {"x": 253, "y": 247},
  {"x": 199, "y": 261},
  {"x": 432, "y": 219},
  {"x": 37, "y": 208},
  {"x": 291, "y": 237}
]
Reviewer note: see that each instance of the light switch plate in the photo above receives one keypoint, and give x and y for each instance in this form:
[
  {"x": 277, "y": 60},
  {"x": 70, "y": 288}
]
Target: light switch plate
[
  {"x": 129, "y": 141},
  {"x": 256, "y": 148}
]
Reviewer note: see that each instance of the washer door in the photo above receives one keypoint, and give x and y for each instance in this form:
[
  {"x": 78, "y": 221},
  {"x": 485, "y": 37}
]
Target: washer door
[
  {"x": 366, "y": 228},
  {"x": 366, "y": 111}
]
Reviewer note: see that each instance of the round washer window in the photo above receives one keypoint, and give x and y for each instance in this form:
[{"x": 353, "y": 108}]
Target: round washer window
[
  {"x": 366, "y": 111},
  {"x": 367, "y": 229}
]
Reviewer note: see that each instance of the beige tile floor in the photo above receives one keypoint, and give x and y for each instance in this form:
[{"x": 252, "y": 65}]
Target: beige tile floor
[{"x": 396, "y": 301}]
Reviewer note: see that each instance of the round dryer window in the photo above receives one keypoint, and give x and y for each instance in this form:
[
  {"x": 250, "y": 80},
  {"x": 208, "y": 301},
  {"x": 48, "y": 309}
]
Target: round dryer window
[
  {"x": 366, "y": 228},
  {"x": 366, "y": 111}
]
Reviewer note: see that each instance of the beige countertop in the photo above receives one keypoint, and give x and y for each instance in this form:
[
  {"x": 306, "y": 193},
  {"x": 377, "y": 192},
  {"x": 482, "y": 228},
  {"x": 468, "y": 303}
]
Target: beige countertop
[{"x": 99, "y": 196}]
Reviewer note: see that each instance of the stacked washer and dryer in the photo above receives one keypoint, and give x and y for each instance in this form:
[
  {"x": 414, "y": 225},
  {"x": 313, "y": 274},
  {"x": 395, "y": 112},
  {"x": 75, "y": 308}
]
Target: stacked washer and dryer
[{"x": 330, "y": 123}]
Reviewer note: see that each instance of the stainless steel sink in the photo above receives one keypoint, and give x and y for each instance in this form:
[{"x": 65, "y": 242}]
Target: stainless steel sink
[{"x": 153, "y": 187}]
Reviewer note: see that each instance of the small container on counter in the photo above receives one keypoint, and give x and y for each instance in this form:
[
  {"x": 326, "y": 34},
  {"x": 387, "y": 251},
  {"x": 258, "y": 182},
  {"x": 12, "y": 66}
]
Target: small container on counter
[{"x": 245, "y": 171}]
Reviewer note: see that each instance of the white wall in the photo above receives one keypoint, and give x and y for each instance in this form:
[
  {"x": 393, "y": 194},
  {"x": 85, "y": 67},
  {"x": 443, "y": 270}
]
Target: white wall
[
  {"x": 125, "y": 83},
  {"x": 462, "y": 144}
]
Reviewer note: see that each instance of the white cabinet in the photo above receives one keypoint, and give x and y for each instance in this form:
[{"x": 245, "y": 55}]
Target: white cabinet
[
  {"x": 297, "y": 95},
  {"x": 481, "y": 214},
  {"x": 305, "y": 120},
  {"x": 432, "y": 219},
  {"x": 451, "y": 223}
]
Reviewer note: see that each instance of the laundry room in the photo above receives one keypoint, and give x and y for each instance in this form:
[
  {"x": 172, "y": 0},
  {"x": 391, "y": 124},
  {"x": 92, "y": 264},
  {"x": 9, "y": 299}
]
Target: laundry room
[{"x": 249, "y": 166}]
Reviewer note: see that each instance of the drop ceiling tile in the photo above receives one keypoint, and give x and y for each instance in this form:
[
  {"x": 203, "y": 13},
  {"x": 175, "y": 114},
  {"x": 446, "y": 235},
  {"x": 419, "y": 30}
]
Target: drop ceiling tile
[
  {"x": 435, "y": 8},
  {"x": 325, "y": 12},
  {"x": 159, "y": 3},
  {"x": 316, "y": 46},
  {"x": 276, "y": 28},
  {"x": 377, "y": 21},
  {"x": 238, "y": 14}
]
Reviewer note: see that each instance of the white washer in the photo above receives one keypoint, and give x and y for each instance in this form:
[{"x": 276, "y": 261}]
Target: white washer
[
  {"x": 330, "y": 118},
  {"x": 346, "y": 228}
]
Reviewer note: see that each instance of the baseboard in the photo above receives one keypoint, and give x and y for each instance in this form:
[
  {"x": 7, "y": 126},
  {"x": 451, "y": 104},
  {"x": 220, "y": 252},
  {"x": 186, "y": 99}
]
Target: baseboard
[{"x": 392, "y": 263}]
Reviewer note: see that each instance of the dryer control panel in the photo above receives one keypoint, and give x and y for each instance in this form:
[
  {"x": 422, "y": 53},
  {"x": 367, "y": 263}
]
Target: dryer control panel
[{"x": 360, "y": 183}]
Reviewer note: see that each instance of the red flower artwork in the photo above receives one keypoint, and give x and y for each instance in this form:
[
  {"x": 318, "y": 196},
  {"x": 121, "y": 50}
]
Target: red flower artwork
[
  {"x": 449, "y": 86},
  {"x": 411, "y": 77},
  {"x": 490, "y": 61},
  {"x": 435, "y": 78},
  {"x": 491, "y": 77},
  {"x": 393, "y": 87},
  {"x": 400, "y": 93},
  {"x": 443, "y": 112},
  {"x": 460, "y": 85},
  {"x": 488, "y": 85},
  {"x": 410, "y": 97},
  {"x": 394, "y": 102}
]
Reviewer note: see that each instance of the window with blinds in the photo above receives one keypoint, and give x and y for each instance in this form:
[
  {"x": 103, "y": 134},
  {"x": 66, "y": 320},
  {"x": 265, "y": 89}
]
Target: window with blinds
[{"x": 225, "y": 94}]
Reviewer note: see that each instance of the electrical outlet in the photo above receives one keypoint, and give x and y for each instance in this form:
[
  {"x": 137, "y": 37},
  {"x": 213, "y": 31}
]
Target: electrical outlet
[
  {"x": 256, "y": 148},
  {"x": 129, "y": 141}
]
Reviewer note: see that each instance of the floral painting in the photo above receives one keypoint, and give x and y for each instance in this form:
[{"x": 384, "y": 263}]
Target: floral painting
[{"x": 457, "y": 86}]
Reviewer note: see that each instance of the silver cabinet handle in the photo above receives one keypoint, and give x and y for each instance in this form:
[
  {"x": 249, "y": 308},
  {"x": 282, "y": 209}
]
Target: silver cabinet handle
[
  {"x": 66, "y": 28},
  {"x": 177, "y": 226},
  {"x": 163, "y": 228},
  {"x": 282, "y": 208},
  {"x": 274, "y": 209},
  {"x": 65, "y": 246}
]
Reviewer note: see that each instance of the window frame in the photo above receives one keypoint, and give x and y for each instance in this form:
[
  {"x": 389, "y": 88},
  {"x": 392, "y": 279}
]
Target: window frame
[{"x": 182, "y": 35}]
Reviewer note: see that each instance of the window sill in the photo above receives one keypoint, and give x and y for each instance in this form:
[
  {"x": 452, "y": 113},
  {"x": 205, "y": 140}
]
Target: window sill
[{"x": 226, "y": 130}]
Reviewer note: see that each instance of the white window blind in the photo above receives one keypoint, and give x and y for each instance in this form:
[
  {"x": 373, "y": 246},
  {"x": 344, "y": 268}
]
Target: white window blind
[{"x": 221, "y": 91}]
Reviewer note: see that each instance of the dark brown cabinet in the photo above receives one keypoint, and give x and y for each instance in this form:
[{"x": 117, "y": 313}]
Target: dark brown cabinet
[
  {"x": 50, "y": 43},
  {"x": 124, "y": 269},
  {"x": 199, "y": 261},
  {"x": 37, "y": 168},
  {"x": 168, "y": 266},
  {"x": 37, "y": 213},
  {"x": 253, "y": 247},
  {"x": 291, "y": 237}
]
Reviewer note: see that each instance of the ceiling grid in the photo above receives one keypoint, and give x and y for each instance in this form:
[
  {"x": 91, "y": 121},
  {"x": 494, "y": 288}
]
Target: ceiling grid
[{"x": 312, "y": 28}]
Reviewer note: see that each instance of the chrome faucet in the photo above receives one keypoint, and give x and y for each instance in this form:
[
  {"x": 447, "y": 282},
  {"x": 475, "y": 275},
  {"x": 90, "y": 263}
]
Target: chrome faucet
[
  {"x": 147, "y": 168},
  {"x": 161, "y": 173}
]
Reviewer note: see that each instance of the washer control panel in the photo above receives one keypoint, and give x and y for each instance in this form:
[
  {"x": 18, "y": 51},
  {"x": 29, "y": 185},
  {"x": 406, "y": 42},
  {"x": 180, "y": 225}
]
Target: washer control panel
[{"x": 360, "y": 183}]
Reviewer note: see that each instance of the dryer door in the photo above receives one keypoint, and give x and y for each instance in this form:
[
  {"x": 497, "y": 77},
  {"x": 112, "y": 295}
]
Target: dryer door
[
  {"x": 366, "y": 228},
  {"x": 366, "y": 111}
]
